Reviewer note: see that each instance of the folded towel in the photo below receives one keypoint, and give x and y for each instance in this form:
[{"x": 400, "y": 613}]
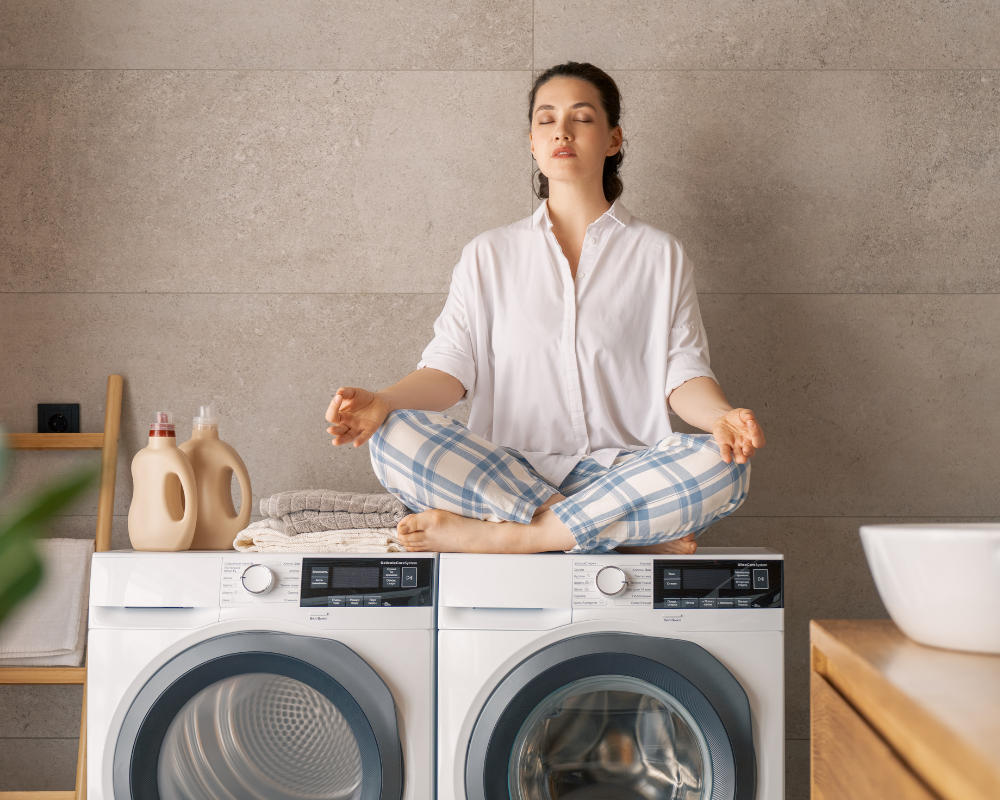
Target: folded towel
[
  {"x": 313, "y": 510},
  {"x": 274, "y": 536},
  {"x": 49, "y": 629}
]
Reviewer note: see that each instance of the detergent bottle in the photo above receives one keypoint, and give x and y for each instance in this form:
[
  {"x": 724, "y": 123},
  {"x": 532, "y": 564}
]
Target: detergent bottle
[
  {"x": 164, "y": 506},
  {"x": 215, "y": 463}
]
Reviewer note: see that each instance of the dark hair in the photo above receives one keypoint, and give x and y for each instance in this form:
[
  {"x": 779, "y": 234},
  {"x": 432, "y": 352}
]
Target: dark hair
[{"x": 611, "y": 101}]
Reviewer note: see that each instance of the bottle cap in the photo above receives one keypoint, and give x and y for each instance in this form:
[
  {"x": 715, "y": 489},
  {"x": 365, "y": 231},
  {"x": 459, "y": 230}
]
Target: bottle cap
[
  {"x": 206, "y": 416},
  {"x": 164, "y": 422}
]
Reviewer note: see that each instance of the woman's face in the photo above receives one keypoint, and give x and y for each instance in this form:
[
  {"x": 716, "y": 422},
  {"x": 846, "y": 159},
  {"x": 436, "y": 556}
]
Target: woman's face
[{"x": 570, "y": 135}]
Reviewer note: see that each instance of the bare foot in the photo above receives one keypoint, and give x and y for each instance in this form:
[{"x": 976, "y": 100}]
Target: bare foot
[
  {"x": 684, "y": 546},
  {"x": 439, "y": 531}
]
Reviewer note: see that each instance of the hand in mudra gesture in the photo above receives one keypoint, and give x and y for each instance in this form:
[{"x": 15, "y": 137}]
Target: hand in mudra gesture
[
  {"x": 355, "y": 414},
  {"x": 738, "y": 435}
]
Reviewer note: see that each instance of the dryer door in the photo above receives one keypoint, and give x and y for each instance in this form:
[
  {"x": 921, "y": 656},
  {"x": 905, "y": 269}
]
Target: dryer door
[
  {"x": 261, "y": 716},
  {"x": 614, "y": 716}
]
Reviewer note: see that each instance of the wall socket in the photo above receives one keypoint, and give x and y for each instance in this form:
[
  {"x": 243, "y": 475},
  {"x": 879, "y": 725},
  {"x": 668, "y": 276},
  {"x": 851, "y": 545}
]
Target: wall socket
[{"x": 58, "y": 417}]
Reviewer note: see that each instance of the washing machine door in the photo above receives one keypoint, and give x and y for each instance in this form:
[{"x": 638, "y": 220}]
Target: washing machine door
[
  {"x": 261, "y": 716},
  {"x": 614, "y": 716}
]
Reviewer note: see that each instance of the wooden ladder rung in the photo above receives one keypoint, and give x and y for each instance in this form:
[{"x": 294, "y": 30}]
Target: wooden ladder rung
[
  {"x": 55, "y": 441},
  {"x": 22, "y": 676},
  {"x": 37, "y": 795}
]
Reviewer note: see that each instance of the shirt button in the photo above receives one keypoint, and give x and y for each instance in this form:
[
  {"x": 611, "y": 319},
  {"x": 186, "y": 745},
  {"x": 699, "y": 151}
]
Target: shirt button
[
  {"x": 593, "y": 240},
  {"x": 581, "y": 274}
]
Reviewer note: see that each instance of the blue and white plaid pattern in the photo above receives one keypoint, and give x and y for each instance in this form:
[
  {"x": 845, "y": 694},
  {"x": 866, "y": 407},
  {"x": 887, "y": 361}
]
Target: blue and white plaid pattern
[{"x": 679, "y": 486}]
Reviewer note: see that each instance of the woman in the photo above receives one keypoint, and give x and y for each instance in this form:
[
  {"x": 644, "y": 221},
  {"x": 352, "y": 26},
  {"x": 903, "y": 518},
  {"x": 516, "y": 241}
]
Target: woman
[{"x": 569, "y": 332}]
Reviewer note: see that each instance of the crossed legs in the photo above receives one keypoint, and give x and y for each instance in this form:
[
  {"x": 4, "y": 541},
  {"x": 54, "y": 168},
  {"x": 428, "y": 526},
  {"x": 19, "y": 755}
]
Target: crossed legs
[{"x": 473, "y": 496}]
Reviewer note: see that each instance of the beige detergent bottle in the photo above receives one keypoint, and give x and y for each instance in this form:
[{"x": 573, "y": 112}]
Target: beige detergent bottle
[
  {"x": 164, "y": 506},
  {"x": 215, "y": 463}
]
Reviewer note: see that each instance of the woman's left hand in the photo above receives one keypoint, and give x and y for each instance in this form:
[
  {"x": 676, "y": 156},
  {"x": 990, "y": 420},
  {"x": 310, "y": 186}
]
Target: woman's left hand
[{"x": 738, "y": 435}]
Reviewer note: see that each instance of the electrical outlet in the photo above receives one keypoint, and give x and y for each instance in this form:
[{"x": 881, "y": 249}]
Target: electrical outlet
[{"x": 58, "y": 417}]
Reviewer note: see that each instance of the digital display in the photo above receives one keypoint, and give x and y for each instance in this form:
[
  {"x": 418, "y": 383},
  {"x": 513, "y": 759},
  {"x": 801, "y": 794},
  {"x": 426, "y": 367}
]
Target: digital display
[
  {"x": 355, "y": 578},
  {"x": 707, "y": 578}
]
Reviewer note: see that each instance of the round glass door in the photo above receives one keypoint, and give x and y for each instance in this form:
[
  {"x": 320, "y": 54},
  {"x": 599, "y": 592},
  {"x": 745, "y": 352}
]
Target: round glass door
[
  {"x": 259, "y": 736},
  {"x": 610, "y": 737}
]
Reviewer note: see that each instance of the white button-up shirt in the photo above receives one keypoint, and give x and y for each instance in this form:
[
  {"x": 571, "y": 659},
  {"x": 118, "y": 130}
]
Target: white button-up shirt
[{"x": 561, "y": 369}]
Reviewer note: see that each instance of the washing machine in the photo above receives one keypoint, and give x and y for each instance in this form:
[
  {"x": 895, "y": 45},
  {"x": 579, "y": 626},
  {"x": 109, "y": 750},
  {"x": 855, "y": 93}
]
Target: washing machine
[
  {"x": 611, "y": 677},
  {"x": 238, "y": 676}
]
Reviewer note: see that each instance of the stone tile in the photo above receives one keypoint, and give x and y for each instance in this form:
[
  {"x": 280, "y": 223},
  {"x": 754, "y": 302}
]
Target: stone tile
[
  {"x": 258, "y": 34},
  {"x": 38, "y": 765},
  {"x": 797, "y": 783},
  {"x": 269, "y": 362},
  {"x": 718, "y": 34},
  {"x": 289, "y": 181},
  {"x": 820, "y": 181},
  {"x": 40, "y": 712},
  {"x": 871, "y": 404}
]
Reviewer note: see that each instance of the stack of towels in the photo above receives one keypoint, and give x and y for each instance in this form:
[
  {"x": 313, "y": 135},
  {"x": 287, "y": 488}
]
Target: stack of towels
[
  {"x": 325, "y": 521},
  {"x": 49, "y": 629}
]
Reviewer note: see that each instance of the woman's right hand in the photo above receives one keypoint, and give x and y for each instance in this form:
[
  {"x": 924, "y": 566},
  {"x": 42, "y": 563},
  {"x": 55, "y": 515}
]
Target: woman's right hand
[{"x": 355, "y": 414}]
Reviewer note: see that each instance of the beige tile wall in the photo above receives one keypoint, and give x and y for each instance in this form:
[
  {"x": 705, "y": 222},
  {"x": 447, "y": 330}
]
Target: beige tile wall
[{"x": 253, "y": 203}]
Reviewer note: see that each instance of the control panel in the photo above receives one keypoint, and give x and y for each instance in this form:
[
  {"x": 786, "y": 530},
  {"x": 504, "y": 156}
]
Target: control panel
[
  {"x": 597, "y": 583},
  {"x": 367, "y": 582},
  {"x": 260, "y": 578},
  {"x": 717, "y": 584}
]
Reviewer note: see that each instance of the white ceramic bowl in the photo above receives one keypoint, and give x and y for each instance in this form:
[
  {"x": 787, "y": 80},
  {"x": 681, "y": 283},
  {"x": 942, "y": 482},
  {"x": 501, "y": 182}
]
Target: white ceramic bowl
[{"x": 940, "y": 583}]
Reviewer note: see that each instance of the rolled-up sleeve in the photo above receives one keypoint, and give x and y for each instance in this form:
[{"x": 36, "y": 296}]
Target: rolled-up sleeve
[
  {"x": 451, "y": 349},
  {"x": 687, "y": 347}
]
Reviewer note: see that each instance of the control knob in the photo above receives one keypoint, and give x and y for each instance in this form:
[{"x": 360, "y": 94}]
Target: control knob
[
  {"x": 611, "y": 581},
  {"x": 257, "y": 579}
]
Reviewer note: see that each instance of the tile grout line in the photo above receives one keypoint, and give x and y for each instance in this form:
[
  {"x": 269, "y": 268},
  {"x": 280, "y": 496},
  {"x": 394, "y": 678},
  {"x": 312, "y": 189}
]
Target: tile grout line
[{"x": 496, "y": 70}]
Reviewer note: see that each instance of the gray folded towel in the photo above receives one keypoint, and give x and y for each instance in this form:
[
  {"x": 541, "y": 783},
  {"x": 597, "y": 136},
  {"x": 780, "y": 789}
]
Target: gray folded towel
[{"x": 312, "y": 510}]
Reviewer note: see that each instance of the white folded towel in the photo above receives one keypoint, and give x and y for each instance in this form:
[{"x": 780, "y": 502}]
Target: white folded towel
[
  {"x": 275, "y": 536},
  {"x": 49, "y": 629}
]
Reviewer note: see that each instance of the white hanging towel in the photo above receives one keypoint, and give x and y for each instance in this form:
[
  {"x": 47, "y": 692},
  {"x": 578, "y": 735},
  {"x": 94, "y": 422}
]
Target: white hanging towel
[{"x": 49, "y": 628}]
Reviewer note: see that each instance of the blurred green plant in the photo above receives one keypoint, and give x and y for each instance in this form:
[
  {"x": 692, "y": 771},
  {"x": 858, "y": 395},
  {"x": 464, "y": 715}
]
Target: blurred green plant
[{"x": 20, "y": 565}]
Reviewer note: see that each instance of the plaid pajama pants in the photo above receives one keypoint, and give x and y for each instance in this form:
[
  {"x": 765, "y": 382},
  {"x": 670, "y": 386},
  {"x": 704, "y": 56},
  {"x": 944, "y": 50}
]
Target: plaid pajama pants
[{"x": 678, "y": 486}]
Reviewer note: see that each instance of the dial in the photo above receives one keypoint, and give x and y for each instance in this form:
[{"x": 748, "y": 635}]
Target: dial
[
  {"x": 611, "y": 581},
  {"x": 257, "y": 579}
]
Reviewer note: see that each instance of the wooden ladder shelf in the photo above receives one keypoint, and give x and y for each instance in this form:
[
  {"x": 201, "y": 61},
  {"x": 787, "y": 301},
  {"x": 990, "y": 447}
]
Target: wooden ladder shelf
[{"x": 107, "y": 443}]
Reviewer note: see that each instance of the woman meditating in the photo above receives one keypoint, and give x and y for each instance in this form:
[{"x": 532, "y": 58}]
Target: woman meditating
[{"x": 571, "y": 333}]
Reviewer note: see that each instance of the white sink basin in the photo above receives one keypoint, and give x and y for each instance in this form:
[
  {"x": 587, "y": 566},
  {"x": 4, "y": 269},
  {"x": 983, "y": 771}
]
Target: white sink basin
[{"x": 940, "y": 583}]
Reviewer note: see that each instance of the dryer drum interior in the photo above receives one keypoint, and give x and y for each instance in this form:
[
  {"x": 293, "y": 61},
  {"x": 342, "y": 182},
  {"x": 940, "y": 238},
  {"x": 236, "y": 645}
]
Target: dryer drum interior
[
  {"x": 261, "y": 716},
  {"x": 614, "y": 717}
]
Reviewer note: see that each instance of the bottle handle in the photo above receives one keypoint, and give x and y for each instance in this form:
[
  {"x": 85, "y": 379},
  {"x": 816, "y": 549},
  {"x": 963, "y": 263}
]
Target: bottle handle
[
  {"x": 243, "y": 477},
  {"x": 190, "y": 490}
]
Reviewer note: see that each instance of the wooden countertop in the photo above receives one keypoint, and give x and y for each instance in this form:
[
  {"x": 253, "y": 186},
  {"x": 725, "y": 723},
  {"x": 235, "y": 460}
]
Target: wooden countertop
[{"x": 938, "y": 709}]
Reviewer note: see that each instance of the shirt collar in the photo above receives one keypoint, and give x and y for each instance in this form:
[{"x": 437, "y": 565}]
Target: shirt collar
[{"x": 617, "y": 212}]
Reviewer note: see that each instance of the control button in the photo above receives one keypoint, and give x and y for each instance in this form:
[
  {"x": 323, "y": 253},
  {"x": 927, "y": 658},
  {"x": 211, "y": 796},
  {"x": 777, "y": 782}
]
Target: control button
[
  {"x": 373, "y": 600},
  {"x": 319, "y": 577},
  {"x": 689, "y": 602},
  {"x": 741, "y": 578},
  {"x": 672, "y": 602},
  {"x": 708, "y": 602},
  {"x": 611, "y": 581},
  {"x": 726, "y": 602},
  {"x": 743, "y": 602},
  {"x": 354, "y": 601},
  {"x": 671, "y": 584},
  {"x": 390, "y": 582},
  {"x": 257, "y": 579},
  {"x": 760, "y": 579},
  {"x": 671, "y": 574},
  {"x": 340, "y": 601},
  {"x": 409, "y": 577},
  {"x": 390, "y": 572}
]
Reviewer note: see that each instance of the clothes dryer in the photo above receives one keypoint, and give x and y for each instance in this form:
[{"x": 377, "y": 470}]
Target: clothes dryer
[
  {"x": 611, "y": 677},
  {"x": 260, "y": 676}
]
